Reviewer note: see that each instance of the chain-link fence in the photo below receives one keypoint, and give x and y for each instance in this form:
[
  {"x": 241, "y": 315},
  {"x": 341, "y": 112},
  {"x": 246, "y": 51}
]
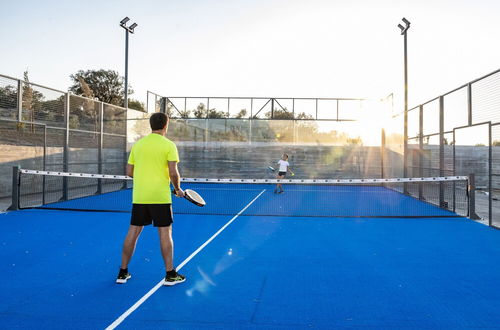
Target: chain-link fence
[
  {"x": 47, "y": 129},
  {"x": 458, "y": 133},
  {"x": 240, "y": 137},
  {"x": 244, "y": 148}
]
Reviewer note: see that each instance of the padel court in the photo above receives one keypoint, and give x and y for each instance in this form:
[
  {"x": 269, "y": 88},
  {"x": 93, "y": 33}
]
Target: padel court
[{"x": 313, "y": 257}]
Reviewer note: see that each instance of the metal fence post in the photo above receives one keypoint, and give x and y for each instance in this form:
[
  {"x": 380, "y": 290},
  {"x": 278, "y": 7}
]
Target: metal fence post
[
  {"x": 15, "y": 188},
  {"x": 472, "y": 197},
  {"x": 99, "y": 147},
  {"x": 163, "y": 105},
  {"x": 44, "y": 165},
  {"x": 250, "y": 131},
  {"x": 19, "y": 100},
  {"x": 205, "y": 137},
  {"x": 420, "y": 148},
  {"x": 382, "y": 152},
  {"x": 469, "y": 103},
  {"x": 490, "y": 163},
  {"x": 316, "y": 109},
  {"x": 441, "y": 151},
  {"x": 337, "y": 109},
  {"x": 66, "y": 145},
  {"x": 125, "y": 149}
]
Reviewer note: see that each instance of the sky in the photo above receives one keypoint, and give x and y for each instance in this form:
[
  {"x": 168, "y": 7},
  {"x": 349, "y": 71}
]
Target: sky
[{"x": 271, "y": 48}]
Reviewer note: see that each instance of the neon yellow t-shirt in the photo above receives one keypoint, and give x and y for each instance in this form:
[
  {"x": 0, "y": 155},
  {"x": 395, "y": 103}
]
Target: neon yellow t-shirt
[{"x": 150, "y": 156}]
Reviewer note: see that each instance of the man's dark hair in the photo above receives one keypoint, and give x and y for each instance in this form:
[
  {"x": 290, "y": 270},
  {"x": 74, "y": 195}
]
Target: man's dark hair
[{"x": 158, "y": 121}]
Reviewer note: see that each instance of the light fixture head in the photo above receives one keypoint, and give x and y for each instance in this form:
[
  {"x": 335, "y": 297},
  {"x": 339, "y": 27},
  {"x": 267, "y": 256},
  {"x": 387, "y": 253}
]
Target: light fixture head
[
  {"x": 132, "y": 27},
  {"x": 406, "y": 22},
  {"x": 124, "y": 21},
  {"x": 401, "y": 27}
]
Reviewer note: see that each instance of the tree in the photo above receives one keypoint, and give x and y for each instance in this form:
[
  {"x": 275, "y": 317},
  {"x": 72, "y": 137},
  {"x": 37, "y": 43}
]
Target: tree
[
  {"x": 202, "y": 112},
  {"x": 8, "y": 95},
  {"x": 212, "y": 113},
  {"x": 88, "y": 112},
  {"x": 184, "y": 113},
  {"x": 86, "y": 90},
  {"x": 106, "y": 85},
  {"x": 32, "y": 100},
  {"x": 279, "y": 114},
  {"x": 136, "y": 105},
  {"x": 241, "y": 114}
]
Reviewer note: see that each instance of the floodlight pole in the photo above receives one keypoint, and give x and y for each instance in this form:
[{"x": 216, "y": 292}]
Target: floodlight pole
[
  {"x": 125, "y": 104},
  {"x": 404, "y": 30},
  {"x": 128, "y": 29}
]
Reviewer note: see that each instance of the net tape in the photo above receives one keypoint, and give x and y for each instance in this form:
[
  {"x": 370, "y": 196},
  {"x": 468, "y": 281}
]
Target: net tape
[{"x": 297, "y": 181}]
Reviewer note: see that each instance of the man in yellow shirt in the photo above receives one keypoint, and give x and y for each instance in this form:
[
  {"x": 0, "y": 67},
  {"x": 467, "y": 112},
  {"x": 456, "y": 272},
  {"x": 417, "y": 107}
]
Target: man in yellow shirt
[{"x": 153, "y": 165}]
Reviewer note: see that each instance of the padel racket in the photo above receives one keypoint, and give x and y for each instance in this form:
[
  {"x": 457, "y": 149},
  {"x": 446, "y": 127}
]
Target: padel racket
[
  {"x": 193, "y": 197},
  {"x": 271, "y": 168}
]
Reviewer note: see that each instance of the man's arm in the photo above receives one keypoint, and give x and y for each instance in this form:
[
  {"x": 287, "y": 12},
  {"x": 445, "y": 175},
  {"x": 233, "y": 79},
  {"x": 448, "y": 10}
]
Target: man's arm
[
  {"x": 175, "y": 178},
  {"x": 130, "y": 170}
]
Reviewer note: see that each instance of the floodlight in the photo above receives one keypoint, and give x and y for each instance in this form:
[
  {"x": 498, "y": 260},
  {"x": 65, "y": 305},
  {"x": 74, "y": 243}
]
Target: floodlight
[
  {"x": 128, "y": 30},
  {"x": 401, "y": 27},
  {"x": 406, "y": 22}
]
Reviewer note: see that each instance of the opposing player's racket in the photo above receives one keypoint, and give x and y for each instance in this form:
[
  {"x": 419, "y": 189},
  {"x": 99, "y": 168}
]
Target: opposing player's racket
[{"x": 193, "y": 197}]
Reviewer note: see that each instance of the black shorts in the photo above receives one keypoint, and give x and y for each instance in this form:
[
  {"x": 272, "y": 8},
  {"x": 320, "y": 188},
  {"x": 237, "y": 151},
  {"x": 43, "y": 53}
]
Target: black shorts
[
  {"x": 158, "y": 214},
  {"x": 282, "y": 173}
]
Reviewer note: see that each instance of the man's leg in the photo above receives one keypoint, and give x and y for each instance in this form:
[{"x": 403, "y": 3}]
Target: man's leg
[
  {"x": 129, "y": 244},
  {"x": 167, "y": 246},
  {"x": 167, "y": 251}
]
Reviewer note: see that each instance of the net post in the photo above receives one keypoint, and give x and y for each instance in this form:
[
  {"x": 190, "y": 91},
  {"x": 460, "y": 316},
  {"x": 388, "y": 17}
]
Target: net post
[
  {"x": 15, "y": 188},
  {"x": 471, "y": 188}
]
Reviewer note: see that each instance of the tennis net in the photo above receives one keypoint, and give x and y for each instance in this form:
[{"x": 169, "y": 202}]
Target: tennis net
[{"x": 399, "y": 197}]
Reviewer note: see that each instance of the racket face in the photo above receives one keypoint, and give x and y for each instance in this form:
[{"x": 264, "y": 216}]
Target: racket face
[
  {"x": 271, "y": 168},
  {"x": 194, "y": 197}
]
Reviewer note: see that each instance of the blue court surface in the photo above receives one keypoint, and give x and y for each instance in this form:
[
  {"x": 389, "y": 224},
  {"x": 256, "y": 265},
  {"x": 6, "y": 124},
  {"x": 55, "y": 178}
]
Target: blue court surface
[{"x": 284, "y": 271}]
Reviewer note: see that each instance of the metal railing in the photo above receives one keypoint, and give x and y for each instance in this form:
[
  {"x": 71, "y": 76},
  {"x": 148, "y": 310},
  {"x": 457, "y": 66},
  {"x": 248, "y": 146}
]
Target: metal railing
[
  {"x": 277, "y": 108},
  {"x": 457, "y": 133},
  {"x": 48, "y": 128}
]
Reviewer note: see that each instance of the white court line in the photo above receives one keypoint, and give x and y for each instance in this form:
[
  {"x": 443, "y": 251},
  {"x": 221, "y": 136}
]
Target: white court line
[{"x": 139, "y": 302}]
